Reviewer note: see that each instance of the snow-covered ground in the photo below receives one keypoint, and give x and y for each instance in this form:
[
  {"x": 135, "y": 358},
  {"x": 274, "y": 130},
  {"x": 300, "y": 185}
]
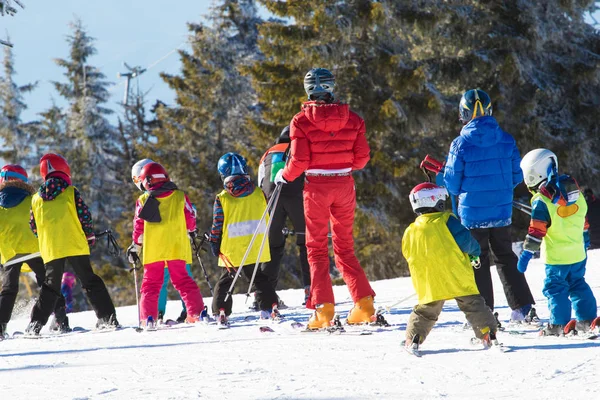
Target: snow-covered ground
[{"x": 243, "y": 363}]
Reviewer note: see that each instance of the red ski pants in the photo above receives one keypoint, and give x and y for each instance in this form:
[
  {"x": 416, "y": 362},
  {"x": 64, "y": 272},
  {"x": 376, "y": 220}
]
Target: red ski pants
[
  {"x": 183, "y": 283},
  {"x": 332, "y": 199}
]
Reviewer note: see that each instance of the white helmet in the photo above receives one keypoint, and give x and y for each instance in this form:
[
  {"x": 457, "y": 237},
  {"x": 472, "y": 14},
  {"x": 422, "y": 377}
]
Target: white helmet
[
  {"x": 538, "y": 165},
  {"x": 136, "y": 170},
  {"x": 426, "y": 196}
]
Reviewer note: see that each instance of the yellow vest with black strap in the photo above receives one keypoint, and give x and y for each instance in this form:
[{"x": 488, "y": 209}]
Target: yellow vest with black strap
[
  {"x": 168, "y": 239},
  {"x": 241, "y": 217},
  {"x": 15, "y": 235},
  {"x": 59, "y": 231},
  {"x": 438, "y": 268},
  {"x": 563, "y": 243}
]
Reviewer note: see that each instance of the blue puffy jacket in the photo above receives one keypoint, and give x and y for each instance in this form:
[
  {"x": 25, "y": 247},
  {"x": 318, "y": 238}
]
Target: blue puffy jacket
[{"x": 482, "y": 170}]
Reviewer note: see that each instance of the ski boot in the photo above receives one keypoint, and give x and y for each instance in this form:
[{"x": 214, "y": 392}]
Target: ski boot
[
  {"x": 574, "y": 327},
  {"x": 519, "y": 315},
  {"x": 500, "y": 327},
  {"x": 362, "y": 311},
  {"x": 34, "y": 328},
  {"x": 3, "y": 331},
  {"x": 161, "y": 317},
  {"x": 322, "y": 317},
  {"x": 204, "y": 317},
  {"x": 532, "y": 318},
  {"x": 280, "y": 304},
  {"x": 149, "y": 324},
  {"x": 109, "y": 322},
  {"x": 275, "y": 315},
  {"x": 182, "y": 317},
  {"x": 306, "y": 294},
  {"x": 553, "y": 330},
  {"x": 412, "y": 345},
  {"x": 62, "y": 327},
  {"x": 595, "y": 326},
  {"x": 222, "y": 320}
]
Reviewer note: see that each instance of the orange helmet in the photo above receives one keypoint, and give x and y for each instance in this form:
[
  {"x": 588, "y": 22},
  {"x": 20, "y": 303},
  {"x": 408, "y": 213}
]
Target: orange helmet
[
  {"x": 13, "y": 172},
  {"x": 51, "y": 162},
  {"x": 152, "y": 174}
]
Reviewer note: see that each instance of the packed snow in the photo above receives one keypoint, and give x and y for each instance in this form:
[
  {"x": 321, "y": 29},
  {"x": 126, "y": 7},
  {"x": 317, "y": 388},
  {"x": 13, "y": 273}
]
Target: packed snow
[{"x": 199, "y": 361}]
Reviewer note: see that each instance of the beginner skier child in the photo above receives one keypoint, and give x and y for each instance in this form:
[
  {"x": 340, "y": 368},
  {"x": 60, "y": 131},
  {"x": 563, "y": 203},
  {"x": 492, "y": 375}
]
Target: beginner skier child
[
  {"x": 63, "y": 225},
  {"x": 559, "y": 229},
  {"x": 236, "y": 213},
  {"x": 441, "y": 255},
  {"x": 16, "y": 240},
  {"x": 163, "y": 218},
  {"x": 162, "y": 297}
]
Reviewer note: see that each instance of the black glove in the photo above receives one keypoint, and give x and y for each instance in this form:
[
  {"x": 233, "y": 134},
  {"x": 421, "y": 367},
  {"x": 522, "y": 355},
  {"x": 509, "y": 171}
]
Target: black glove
[
  {"x": 133, "y": 253},
  {"x": 215, "y": 248}
]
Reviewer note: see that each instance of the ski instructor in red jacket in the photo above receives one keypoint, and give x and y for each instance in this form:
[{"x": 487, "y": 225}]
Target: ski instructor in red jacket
[{"x": 327, "y": 143}]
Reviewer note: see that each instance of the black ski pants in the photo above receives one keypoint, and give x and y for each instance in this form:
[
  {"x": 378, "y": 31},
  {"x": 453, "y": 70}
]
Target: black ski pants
[
  {"x": 264, "y": 293},
  {"x": 291, "y": 207},
  {"x": 10, "y": 289},
  {"x": 92, "y": 284},
  {"x": 515, "y": 285}
]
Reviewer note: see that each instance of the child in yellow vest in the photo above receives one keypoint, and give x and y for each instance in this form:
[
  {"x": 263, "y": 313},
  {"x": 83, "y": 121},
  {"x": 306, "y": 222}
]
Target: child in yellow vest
[
  {"x": 64, "y": 228},
  {"x": 236, "y": 213},
  {"x": 559, "y": 229},
  {"x": 441, "y": 254},
  {"x": 163, "y": 218},
  {"x": 17, "y": 240}
]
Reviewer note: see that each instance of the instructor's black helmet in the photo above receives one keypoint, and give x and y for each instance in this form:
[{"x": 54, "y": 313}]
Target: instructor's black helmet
[
  {"x": 319, "y": 84},
  {"x": 284, "y": 137},
  {"x": 474, "y": 103}
]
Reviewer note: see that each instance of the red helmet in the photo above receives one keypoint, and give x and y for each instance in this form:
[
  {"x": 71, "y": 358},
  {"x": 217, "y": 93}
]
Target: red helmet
[
  {"x": 51, "y": 162},
  {"x": 427, "y": 196},
  {"x": 152, "y": 174},
  {"x": 13, "y": 172}
]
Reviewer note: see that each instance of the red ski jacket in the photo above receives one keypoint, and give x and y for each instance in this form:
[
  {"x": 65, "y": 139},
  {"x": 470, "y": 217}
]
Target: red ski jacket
[{"x": 326, "y": 136}]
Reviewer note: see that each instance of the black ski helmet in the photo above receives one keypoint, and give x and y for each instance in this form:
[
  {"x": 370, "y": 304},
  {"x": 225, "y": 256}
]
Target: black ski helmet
[
  {"x": 319, "y": 84},
  {"x": 474, "y": 103},
  {"x": 284, "y": 136}
]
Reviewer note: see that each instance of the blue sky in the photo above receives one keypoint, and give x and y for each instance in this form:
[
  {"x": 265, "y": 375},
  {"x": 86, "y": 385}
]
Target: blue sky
[{"x": 135, "y": 31}]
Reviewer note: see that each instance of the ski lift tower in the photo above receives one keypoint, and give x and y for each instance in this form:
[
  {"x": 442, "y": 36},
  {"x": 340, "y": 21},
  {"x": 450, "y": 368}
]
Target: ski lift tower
[{"x": 134, "y": 72}]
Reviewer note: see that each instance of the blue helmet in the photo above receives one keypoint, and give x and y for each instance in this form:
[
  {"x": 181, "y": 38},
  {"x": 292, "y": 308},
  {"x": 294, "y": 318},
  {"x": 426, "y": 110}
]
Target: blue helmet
[
  {"x": 232, "y": 164},
  {"x": 474, "y": 103}
]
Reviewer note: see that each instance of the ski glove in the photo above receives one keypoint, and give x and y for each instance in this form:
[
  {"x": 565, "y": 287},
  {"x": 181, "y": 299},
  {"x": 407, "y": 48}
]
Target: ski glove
[
  {"x": 133, "y": 253},
  {"x": 524, "y": 259},
  {"x": 279, "y": 179},
  {"x": 215, "y": 248},
  {"x": 91, "y": 240},
  {"x": 475, "y": 262}
]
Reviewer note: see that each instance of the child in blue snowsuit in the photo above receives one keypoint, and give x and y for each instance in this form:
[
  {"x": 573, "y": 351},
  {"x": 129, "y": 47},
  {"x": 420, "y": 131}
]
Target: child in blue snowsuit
[{"x": 559, "y": 229}]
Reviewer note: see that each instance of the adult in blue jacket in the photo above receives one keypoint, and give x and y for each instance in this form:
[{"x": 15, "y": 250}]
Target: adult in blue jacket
[{"x": 482, "y": 170}]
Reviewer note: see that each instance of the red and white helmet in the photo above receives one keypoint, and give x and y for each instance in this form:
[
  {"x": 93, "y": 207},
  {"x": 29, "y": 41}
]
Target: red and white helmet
[
  {"x": 13, "y": 172},
  {"x": 51, "y": 162},
  {"x": 427, "y": 196},
  {"x": 153, "y": 174},
  {"x": 136, "y": 171}
]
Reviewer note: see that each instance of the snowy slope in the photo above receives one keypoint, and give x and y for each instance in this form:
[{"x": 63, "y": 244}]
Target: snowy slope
[{"x": 243, "y": 363}]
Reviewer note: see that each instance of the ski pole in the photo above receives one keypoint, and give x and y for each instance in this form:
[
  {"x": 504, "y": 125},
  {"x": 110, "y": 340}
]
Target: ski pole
[
  {"x": 522, "y": 207},
  {"x": 254, "y": 235},
  {"x": 262, "y": 244},
  {"x": 197, "y": 251},
  {"x": 389, "y": 308},
  {"x": 111, "y": 243},
  {"x": 134, "y": 268}
]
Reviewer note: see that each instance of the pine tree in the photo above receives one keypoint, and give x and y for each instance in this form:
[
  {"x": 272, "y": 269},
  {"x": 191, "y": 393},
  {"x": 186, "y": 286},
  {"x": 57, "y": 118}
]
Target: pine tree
[
  {"x": 9, "y": 7},
  {"x": 15, "y": 133}
]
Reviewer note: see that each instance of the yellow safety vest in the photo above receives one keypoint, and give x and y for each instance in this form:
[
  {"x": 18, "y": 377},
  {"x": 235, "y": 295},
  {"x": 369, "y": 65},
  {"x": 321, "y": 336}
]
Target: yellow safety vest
[
  {"x": 563, "y": 243},
  {"x": 241, "y": 217},
  {"x": 168, "y": 239},
  {"x": 438, "y": 268},
  {"x": 15, "y": 235},
  {"x": 59, "y": 231}
]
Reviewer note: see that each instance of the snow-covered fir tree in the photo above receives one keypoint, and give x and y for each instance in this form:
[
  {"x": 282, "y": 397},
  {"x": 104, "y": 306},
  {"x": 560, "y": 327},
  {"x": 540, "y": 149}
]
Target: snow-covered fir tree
[{"x": 15, "y": 134}]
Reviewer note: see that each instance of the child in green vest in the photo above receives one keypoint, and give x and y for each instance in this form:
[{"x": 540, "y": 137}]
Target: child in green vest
[
  {"x": 559, "y": 229},
  {"x": 441, "y": 254},
  {"x": 236, "y": 214}
]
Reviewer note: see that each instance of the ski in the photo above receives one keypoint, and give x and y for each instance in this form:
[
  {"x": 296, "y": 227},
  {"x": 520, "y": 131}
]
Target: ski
[
  {"x": 413, "y": 349},
  {"x": 24, "y": 335}
]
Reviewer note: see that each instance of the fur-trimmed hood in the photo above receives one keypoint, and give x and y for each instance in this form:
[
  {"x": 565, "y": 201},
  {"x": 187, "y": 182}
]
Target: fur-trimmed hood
[{"x": 12, "y": 193}]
